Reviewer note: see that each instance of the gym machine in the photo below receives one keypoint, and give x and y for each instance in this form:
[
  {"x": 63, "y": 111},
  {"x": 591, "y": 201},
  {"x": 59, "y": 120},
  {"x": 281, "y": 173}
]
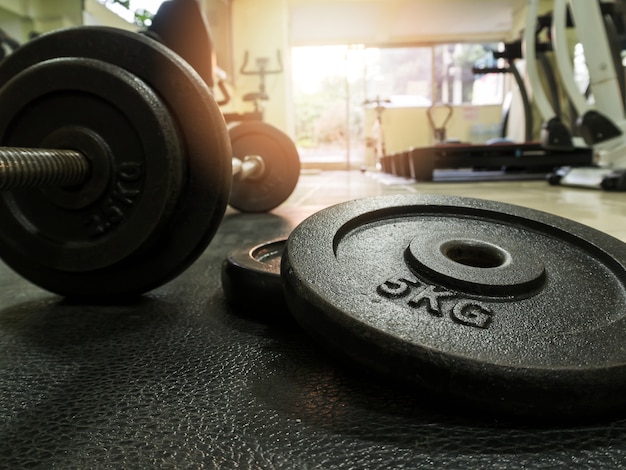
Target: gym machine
[
  {"x": 554, "y": 133},
  {"x": 439, "y": 131},
  {"x": 7, "y": 44},
  {"x": 498, "y": 160},
  {"x": 377, "y": 140},
  {"x": 256, "y": 98},
  {"x": 603, "y": 124}
]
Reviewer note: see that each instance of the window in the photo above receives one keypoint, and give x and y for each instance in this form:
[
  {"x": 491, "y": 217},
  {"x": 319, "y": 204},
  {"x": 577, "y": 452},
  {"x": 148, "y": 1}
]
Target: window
[
  {"x": 455, "y": 83},
  {"x": 332, "y": 84},
  {"x": 402, "y": 75},
  {"x": 419, "y": 76},
  {"x": 139, "y": 12}
]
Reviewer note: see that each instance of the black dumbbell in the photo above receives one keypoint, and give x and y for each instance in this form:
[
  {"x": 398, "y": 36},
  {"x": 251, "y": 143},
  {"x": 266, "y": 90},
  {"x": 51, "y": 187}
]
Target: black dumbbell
[
  {"x": 260, "y": 183},
  {"x": 266, "y": 166},
  {"x": 138, "y": 168}
]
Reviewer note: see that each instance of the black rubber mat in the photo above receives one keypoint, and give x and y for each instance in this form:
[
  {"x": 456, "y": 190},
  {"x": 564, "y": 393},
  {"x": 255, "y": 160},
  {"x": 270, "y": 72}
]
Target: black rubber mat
[{"x": 178, "y": 380}]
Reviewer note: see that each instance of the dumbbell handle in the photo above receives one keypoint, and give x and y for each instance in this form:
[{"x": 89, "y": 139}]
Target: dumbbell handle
[
  {"x": 251, "y": 167},
  {"x": 40, "y": 168}
]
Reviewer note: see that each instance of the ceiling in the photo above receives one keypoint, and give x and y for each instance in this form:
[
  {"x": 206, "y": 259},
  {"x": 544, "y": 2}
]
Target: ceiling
[{"x": 400, "y": 21}]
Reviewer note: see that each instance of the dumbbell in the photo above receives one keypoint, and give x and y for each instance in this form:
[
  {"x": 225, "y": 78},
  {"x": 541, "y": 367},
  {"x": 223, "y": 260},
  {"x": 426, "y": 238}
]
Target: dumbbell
[
  {"x": 266, "y": 166},
  {"x": 490, "y": 306},
  {"x": 184, "y": 29},
  {"x": 142, "y": 163},
  {"x": 40, "y": 168}
]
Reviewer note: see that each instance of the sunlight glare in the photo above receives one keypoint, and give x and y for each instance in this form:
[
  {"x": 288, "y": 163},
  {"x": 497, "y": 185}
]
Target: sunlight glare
[
  {"x": 150, "y": 5},
  {"x": 314, "y": 64}
]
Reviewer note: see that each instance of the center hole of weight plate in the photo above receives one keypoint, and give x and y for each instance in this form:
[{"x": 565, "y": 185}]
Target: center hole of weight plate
[{"x": 474, "y": 253}]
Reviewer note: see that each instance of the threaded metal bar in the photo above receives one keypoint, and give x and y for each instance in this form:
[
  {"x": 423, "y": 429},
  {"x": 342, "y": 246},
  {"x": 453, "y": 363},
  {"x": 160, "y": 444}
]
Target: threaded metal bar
[
  {"x": 250, "y": 167},
  {"x": 41, "y": 168}
]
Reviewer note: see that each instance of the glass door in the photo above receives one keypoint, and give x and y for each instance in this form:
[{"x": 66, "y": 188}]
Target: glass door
[{"x": 328, "y": 97}]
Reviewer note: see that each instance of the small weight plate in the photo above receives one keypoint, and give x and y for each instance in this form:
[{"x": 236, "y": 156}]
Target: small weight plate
[
  {"x": 282, "y": 166},
  {"x": 491, "y": 304},
  {"x": 191, "y": 209},
  {"x": 251, "y": 278}
]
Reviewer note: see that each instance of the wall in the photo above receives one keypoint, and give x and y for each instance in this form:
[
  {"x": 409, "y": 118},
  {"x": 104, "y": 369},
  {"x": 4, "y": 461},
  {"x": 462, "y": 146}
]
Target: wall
[
  {"x": 519, "y": 17},
  {"x": 404, "y": 128},
  {"x": 385, "y": 22},
  {"x": 19, "y": 18},
  {"x": 48, "y": 15},
  {"x": 264, "y": 27},
  {"x": 13, "y": 24},
  {"x": 13, "y": 6},
  {"x": 270, "y": 25},
  {"x": 261, "y": 28},
  {"x": 219, "y": 16}
]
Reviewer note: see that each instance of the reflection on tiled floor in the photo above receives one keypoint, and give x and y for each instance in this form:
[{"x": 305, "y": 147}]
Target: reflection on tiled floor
[{"x": 602, "y": 210}]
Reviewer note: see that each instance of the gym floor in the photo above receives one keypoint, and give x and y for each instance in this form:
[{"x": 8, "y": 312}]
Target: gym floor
[
  {"x": 179, "y": 379},
  {"x": 601, "y": 210}
]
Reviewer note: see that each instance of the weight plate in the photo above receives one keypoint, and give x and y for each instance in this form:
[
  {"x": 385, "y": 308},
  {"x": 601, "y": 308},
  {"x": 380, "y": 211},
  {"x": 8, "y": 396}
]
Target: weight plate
[
  {"x": 495, "y": 305},
  {"x": 116, "y": 213},
  {"x": 251, "y": 278},
  {"x": 192, "y": 210},
  {"x": 282, "y": 166}
]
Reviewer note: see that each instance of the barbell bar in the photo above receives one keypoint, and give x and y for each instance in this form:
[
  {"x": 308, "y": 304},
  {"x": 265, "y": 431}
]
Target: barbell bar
[{"x": 42, "y": 168}]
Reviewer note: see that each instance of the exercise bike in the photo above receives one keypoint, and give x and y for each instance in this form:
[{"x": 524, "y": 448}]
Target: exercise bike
[
  {"x": 376, "y": 140},
  {"x": 257, "y": 98}
]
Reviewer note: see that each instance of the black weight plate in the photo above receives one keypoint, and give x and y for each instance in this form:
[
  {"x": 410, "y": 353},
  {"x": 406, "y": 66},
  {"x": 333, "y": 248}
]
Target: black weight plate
[
  {"x": 491, "y": 304},
  {"x": 68, "y": 230},
  {"x": 282, "y": 166},
  {"x": 251, "y": 278},
  {"x": 201, "y": 199}
]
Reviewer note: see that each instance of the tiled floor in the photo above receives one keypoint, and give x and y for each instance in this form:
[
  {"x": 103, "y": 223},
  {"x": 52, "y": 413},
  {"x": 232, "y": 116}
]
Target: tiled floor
[{"x": 604, "y": 211}]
